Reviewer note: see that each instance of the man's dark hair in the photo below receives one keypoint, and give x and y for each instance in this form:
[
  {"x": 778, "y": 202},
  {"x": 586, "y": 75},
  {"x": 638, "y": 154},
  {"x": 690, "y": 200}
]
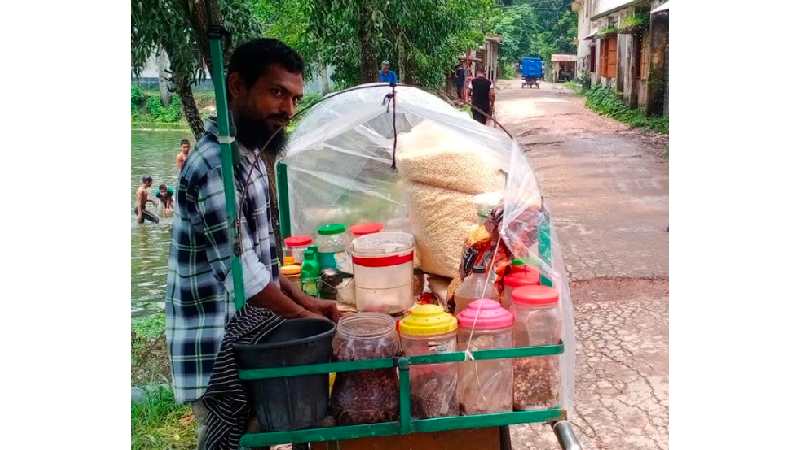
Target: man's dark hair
[
  {"x": 252, "y": 58},
  {"x": 162, "y": 186},
  {"x": 146, "y": 178},
  {"x": 185, "y": 141}
]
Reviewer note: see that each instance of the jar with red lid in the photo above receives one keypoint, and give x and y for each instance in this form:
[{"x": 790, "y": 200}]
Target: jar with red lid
[
  {"x": 537, "y": 322},
  {"x": 294, "y": 246},
  {"x": 484, "y": 386},
  {"x": 364, "y": 229},
  {"x": 527, "y": 276}
]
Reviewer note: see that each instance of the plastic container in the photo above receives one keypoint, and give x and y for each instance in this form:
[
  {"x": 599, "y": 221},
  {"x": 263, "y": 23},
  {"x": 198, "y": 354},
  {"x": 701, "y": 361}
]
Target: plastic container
[
  {"x": 295, "y": 246},
  {"x": 310, "y": 273},
  {"x": 368, "y": 396},
  {"x": 364, "y": 229},
  {"x": 428, "y": 329},
  {"x": 332, "y": 243},
  {"x": 536, "y": 379},
  {"x": 474, "y": 288},
  {"x": 484, "y": 386},
  {"x": 292, "y": 273},
  {"x": 524, "y": 276},
  {"x": 290, "y": 403},
  {"x": 383, "y": 268}
]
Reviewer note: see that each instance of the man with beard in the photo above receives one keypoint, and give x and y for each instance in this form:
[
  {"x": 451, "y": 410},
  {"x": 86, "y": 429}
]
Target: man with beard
[{"x": 265, "y": 83}]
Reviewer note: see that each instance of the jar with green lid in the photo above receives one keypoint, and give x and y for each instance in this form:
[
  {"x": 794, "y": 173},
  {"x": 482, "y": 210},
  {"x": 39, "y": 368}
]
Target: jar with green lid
[
  {"x": 332, "y": 242},
  {"x": 429, "y": 329}
]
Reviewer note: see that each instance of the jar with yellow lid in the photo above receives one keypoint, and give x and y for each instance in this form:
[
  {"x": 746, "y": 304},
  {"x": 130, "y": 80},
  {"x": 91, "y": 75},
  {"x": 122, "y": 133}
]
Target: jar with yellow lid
[
  {"x": 429, "y": 329},
  {"x": 292, "y": 273}
]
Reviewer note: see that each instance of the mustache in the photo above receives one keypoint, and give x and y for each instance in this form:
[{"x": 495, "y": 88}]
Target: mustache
[{"x": 279, "y": 117}]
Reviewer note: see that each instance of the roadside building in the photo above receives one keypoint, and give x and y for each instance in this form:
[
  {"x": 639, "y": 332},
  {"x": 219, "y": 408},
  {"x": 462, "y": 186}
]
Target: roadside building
[
  {"x": 563, "y": 67},
  {"x": 624, "y": 45},
  {"x": 485, "y": 58}
]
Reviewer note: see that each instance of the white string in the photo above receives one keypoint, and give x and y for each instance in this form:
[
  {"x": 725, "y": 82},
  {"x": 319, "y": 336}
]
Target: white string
[{"x": 468, "y": 353}]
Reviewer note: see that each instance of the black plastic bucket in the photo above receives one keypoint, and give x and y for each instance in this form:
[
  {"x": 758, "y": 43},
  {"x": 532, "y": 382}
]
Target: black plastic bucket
[{"x": 289, "y": 403}]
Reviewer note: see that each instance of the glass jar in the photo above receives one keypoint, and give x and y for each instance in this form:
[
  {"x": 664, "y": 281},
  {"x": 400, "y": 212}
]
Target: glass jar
[
  {"x": 484, "y": 386},
  {"x": 476, "y": 286},
  {"x": 518, "y": 278},
  {"x": 332, "y": 243},
  {"x": 536, "y": 379},
  {"x": 368, "y": 396},
  {"x": 364, "y": 229},
  {"x": 383, "y": 269},
  {"x": 428, "y": 329},
  {"x": 294, "y": 246},
  {"x": 292, "y": 273}
]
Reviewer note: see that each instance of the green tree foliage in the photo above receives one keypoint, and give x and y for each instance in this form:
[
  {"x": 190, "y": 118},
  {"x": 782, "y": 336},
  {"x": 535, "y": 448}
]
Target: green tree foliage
[
  {"x": 180, "y": 28},
  {"x": 536, "y": 27},
  {"x": 422, "y": 38}
]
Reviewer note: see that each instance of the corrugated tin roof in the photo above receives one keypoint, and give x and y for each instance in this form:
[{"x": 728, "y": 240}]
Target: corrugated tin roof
[
  {"x": 611, "y": 6},
  {"x": 664, "y": 7},
  {"x": 561, "y": 57}
]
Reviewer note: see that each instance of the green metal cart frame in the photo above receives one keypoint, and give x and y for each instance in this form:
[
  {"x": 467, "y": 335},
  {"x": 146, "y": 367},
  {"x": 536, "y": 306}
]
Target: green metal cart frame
[{"x": 406, "y": 423}]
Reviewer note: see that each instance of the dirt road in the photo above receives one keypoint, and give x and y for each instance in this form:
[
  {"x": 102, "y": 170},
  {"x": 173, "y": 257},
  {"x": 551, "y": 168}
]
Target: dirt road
[{"x": 607, "y": 187}]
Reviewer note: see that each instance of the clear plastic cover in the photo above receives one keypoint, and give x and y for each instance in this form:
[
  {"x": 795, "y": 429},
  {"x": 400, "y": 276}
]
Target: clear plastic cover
[{"x": 340, "y": 168}]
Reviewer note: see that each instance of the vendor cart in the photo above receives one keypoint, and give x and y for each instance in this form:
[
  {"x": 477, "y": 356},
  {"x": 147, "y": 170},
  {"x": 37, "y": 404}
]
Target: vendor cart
[
  {"x": 336, "y": 167},
  {"x": 531, "y": 70}
]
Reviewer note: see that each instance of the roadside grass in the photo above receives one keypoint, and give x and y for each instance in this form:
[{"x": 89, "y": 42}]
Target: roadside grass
[
  {"x": 606, "y": 102},
  {"x": 159, "y": 423},
  {"x": 149, "y": 361}
]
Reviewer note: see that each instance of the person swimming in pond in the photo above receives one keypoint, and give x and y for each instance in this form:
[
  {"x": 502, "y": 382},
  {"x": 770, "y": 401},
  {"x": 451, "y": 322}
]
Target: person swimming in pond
[
  {"x": 142, "y": 198},
  {"x": 180, "y": 158},
  {"x": 166, "y": 196}
]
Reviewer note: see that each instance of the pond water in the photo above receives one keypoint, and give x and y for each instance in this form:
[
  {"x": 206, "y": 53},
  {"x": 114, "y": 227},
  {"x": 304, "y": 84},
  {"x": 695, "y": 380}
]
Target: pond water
[{"x": 152, "y": 153}]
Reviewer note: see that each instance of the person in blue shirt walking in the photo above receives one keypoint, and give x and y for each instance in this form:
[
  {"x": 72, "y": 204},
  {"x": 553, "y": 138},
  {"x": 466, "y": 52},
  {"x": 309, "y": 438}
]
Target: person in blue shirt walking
[{"x": 386, "y": 75}]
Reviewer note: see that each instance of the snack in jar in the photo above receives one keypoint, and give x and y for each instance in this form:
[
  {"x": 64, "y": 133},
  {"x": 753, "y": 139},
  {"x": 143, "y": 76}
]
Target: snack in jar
[
  {"x": 429, "y": 329},
  {"x": 484, "y": 386},
  {"x": 538, "y": 322},
  {"x": 367, "y": 396}
]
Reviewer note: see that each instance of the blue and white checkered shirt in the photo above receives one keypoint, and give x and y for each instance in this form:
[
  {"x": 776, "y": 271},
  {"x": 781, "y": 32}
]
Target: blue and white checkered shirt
[{"x": 199, "y": 297}]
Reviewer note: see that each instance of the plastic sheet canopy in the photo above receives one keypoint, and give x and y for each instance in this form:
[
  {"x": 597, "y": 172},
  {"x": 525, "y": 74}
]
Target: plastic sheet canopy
[{"x": 339, "y": 163}]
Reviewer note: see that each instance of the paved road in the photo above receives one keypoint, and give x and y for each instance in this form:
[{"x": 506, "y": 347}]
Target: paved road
[{"x": 607, "y": 187}]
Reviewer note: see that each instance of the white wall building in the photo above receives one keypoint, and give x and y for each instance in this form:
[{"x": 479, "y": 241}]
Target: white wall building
[{"x": 624, "y": 45}]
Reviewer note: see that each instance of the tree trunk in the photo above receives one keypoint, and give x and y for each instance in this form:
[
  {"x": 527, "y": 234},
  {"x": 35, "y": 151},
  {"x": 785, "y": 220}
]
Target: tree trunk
[
  {"x": 369, "y": 62},
  {"x": 324, "y": 78},
  {"x": 183, "y": 88},
  {"x": 163, "y": 77},
  {"x": 401, "y": 56}
]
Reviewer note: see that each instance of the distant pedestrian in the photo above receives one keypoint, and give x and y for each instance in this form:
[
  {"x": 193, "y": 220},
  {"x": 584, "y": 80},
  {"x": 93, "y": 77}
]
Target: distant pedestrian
[
  {"x": 386, "y": 75},
  {"x": 481, "y": 92},
  {"x": 460, "y": 79},
  {"x": 180, "y": 158}
]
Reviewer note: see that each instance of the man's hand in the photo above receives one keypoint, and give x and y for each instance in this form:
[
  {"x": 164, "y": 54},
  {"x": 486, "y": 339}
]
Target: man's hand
[{"x": 325, "y": 307}]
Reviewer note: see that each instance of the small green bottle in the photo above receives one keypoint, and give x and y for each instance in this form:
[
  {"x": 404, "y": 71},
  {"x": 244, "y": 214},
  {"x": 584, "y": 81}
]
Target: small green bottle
[{"x": 309, "y": 273}]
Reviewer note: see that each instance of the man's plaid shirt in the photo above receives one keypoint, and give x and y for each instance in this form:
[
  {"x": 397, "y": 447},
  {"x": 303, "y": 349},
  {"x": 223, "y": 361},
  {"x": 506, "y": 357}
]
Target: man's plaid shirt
[{"x": 199, "y": 300}]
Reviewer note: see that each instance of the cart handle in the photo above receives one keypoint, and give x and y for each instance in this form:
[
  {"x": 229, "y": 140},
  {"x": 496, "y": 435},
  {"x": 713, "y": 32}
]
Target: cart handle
[{"x": 566, "y": 437}]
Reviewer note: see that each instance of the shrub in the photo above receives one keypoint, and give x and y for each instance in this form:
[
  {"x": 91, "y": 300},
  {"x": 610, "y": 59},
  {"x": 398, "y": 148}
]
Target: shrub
[{"x": 606, "y": 102}]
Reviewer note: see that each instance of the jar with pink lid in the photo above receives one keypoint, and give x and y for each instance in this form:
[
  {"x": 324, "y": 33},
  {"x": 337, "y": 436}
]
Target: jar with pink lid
[{"x": 485, "y": 386}]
